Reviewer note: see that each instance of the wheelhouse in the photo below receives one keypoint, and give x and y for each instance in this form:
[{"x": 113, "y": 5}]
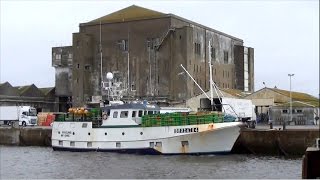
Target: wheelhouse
[{"x": 127, "y": 114}]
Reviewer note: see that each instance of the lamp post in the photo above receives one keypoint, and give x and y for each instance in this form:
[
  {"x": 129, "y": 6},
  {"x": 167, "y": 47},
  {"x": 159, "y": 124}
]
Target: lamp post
[{"x": 290, "y": 75}]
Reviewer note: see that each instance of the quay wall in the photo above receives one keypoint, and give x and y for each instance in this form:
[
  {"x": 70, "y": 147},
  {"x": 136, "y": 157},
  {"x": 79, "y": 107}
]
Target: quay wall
[
  {"x": 289, "y": 142},
  {"x": 251, "y": 141},
  {"x": 35, "y": 136}
]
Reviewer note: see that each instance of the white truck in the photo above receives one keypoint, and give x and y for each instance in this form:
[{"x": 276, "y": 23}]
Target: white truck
[
  {"x": 243, "y": 109},
  {"x": 25, "y": 115}
]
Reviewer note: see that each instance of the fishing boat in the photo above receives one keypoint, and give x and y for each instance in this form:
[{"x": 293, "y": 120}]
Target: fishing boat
[{"x": 139, "y": 127}]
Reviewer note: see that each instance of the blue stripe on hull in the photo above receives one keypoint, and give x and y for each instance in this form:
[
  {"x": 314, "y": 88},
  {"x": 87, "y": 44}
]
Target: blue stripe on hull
[{"x": 147, "y": 151}]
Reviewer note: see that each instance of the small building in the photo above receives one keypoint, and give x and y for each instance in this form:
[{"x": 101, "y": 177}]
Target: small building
[
  {"x": 43, "y": 99},
  {"x": 302, "y": 113},
  {"x": 274, "y": 104}
]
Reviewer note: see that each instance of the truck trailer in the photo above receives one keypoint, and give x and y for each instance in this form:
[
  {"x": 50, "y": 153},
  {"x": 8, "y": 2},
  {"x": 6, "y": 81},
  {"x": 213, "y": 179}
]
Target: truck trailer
[{"x": 24, "y": 115}]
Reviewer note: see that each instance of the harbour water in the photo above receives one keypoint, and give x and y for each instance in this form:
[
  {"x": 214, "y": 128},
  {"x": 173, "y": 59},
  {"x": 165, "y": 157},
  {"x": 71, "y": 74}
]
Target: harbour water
[{"x": 42, "y": 162}]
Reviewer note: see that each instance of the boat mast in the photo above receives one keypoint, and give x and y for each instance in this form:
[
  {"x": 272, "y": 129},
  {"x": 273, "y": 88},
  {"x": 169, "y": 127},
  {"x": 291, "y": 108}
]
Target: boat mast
[
  {"x": 211, "y": 81},
  {"x": 101, "y": 62},
  {"x": 128, "y": 61}
]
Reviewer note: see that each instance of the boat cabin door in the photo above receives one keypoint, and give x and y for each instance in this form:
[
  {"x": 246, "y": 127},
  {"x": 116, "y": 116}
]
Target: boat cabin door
[{"x": 134, "y": 116}]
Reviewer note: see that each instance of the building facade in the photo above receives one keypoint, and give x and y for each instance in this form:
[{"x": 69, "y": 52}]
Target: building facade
[{"x": 146, "y": 48}]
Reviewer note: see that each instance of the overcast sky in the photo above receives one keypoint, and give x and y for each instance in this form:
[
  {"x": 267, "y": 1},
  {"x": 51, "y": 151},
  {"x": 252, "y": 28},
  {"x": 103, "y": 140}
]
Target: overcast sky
[{"x": 284, "y": 35}]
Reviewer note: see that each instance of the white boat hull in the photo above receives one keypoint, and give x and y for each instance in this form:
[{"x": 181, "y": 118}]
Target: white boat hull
[{"x": 210, "y": 138}]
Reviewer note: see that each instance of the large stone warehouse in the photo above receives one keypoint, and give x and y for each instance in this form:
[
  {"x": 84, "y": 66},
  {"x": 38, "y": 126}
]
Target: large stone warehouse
[{"x": 145, "y": 49}]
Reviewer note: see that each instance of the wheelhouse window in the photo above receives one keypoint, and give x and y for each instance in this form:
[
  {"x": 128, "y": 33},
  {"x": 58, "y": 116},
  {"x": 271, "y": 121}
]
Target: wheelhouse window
[
  {"x": 145, "y": 112},
  {"x": 150, "y": 112},
  {"x": 134, "y": 113},
  {"x": 124, "y": 114},
  {"x": 115, "y": 114},
  {"x": 140, "y": 114}
]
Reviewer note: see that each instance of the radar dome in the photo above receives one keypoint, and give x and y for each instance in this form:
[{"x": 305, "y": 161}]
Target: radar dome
[{"x": 109, "y": 76}]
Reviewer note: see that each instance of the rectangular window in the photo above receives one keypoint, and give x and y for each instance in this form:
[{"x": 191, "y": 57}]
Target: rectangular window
[
  {"x": 87, "y": 67},
  {"x": 159, "y": 144},
  {"x": 133, "y": 87},
  {"x": 151, "y": 144},
  {"x": 89, "y": 144},
  {"x": 299, "y": 111},
  {"x": 118, "y": 144},
  {"x": 184, "y": 143},
  {"x": 225, "y": 57},
  {"x": 84, "y": 125},
  {"x": 145, "y": 113},
  {"x": 72, "y": 143},
  {"x": 284, "y": 111},
  {"x": 197, "y": 48},
  {"x": 78, "y": 66},
  {"x": 58, "y": 56},
  {"x": 124, "y": 114},
  {"x": 150, "y": 112},
  {"x": 140, "y": 113},
  {"x": 115, "y": 114},
  {"x": 60, "y": 143},
  {"x": 134, "y": 113},
  {"x": 123, "y": 45},
  {"x": 213, "y": 54}
]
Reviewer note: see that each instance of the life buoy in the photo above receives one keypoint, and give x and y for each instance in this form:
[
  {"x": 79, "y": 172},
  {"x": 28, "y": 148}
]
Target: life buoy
[{"x": 104, "y": 116}]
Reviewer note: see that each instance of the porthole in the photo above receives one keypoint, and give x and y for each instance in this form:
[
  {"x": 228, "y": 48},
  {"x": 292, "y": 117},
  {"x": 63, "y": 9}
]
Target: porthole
[
  {"x": 73, "y": 133},
  {"x": 58, "y": 132},
  {"x": 122, "y": 133},
  {"x": 89, "y": 134},
  {"x": 141, "y": 133},
  {"x": 105, "y": 133}
]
